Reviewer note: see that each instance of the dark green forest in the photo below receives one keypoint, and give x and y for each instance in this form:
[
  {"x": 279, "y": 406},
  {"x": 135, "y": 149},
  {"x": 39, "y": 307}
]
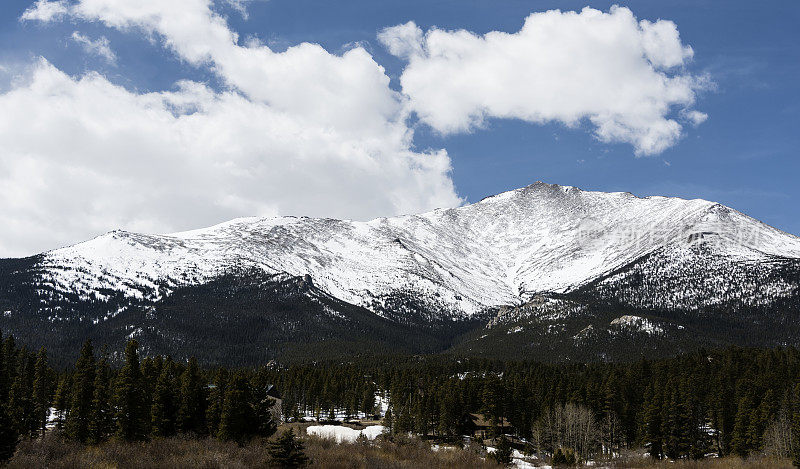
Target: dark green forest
[{"x": 732, "y": 401}]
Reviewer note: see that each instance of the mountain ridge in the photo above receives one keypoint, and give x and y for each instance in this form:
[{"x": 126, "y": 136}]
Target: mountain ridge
[{"x": 659, "y": 258}]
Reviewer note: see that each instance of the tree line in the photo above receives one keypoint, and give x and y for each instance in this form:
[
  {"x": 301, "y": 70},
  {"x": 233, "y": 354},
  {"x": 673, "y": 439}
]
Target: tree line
[
  {"x": 735, "y": 401},
  {"x": 143, "y": 398}
]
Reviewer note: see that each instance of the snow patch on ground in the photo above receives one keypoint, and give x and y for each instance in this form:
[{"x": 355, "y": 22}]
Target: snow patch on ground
[
  {"x": 343, "y": 434},
  {"x": 638, "y": 323},
  {"x": 519, "y": 460}
]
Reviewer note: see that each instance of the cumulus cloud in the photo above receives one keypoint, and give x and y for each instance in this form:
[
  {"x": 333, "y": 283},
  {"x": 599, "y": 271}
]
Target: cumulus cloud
[
  {"x": 302, "y": 132},
  {"x": 100, "y": 47},
  {"x": 44, "y": 10},
  {"x": 624, "y": 76}
]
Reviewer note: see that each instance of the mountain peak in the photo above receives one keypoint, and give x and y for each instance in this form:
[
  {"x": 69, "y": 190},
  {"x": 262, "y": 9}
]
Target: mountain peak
[{"x": 539, "y": 238}]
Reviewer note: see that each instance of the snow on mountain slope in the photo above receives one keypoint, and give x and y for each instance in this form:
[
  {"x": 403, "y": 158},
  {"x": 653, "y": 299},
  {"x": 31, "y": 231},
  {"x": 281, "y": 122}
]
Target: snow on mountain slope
[{"x": 499, "y": 251}]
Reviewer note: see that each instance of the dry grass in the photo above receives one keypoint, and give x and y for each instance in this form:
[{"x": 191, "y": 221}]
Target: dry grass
[
  {"x": 711, "y": 463},
  {"x": 182, "y": 452},
  {"x": 396, "y": 453},
  {"x": 384, "y": 453},
  {"x": 168, "y": 453}
]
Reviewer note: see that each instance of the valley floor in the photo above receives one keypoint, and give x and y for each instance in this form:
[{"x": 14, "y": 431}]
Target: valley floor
[{"x": 181, "y": 452}]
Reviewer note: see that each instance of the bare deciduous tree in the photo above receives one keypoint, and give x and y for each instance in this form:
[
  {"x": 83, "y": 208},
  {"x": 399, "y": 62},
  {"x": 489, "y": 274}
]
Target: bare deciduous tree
[
  {"x": 778, "y": 437},
  {"x": 568, "y": 426}
]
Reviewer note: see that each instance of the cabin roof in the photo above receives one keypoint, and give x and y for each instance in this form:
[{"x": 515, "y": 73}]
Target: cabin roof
[{"x": 481, "y": 420}]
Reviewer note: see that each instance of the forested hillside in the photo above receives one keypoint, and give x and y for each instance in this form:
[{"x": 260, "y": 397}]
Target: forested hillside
[{"x": 733, "y": 401}]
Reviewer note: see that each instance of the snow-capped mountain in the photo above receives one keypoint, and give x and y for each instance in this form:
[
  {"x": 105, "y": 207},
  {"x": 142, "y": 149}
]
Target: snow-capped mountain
[
  {"x": 657, "y": 253},
  {"x": 499, "y": 251}
]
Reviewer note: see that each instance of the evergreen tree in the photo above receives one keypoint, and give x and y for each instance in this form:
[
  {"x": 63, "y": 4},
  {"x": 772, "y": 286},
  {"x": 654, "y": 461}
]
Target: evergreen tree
[
  {"x": 502, "y": 452},
  {"x": 216, "y": 400},
  {"x": 796, "y": 425},
  {"x": 450, "y": 414},
  {"x": 62, "y": 399},
  {"x": 388, "y": 420},
  {"x": 236, "y": 422},
  {"x": 652, "y": 431},
  {"x": 20, "y": 400},
  {"x": 9, "y": 364},
  {"x": 263, "y": 415},
  {"x": 164, "y": 412},
  {"x": 367, "y": 404},
  {"x": 8, "y": 434},
  {"x": 131, "y": 412},
  {"x": 193, "y": 404},
  {"x": 287, "y": 451},
  {"x": 493, "y": 402},
  {"x": 740, "y": 442},
  {"x": 80, "y": 407},
  {"x": 4, "y": 378},
  {"x": 42, "y": 392},
  {"x": 101, "y": 425}
]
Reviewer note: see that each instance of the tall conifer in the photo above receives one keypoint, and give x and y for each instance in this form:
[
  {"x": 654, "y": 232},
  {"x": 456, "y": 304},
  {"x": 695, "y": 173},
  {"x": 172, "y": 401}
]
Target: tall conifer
[
  {"x": 42, "y": 392},
  {"x": 164, "y": 411},
  {"x": 80, "y": 407},
  {"x": 193, "y": 403},
  {"x": 101, "y": 425},
  {"x": 128, "y": 399}
]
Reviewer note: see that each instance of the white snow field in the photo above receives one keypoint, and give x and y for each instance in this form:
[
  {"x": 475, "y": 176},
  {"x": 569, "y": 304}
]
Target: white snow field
[
  {"x": 343, "y": 434},
  {"x": 499, "y": 251}
]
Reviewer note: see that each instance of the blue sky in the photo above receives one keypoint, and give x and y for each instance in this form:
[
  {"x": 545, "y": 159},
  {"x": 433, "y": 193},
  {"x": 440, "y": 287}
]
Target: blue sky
[{"x": 744, "y": 155}]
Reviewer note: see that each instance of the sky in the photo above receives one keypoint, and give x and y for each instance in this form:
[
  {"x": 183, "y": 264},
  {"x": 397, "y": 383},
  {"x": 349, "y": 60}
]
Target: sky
[{"x": 160, "y": 116}]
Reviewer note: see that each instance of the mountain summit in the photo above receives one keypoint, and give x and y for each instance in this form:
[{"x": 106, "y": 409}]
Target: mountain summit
[{"x": 504, "y": 253}]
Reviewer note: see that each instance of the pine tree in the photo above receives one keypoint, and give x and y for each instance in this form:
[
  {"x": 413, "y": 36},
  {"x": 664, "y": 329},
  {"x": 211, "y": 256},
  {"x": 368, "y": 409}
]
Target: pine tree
[
  {"x": 652, "y": 431},
  {"x": 8, "y": 434},
  {"x": 62, "y": 400},
  {"x": 216, "y": 400},
  {"x": 164, "y": 411},
  {"x": 502, "y": 452},
  {"x": 42, "y": 391},
  {"x": 9, "y": 364},
  {"x": 101, "y": 425},
  {"x": 236, "y": 422},
  {"x": 287, "y": 451},
  {"x": 388, "y": 420},
  {"x": 493, "y": 402},
  {"x": 796, "y": 425},
  {"x": 80, "y": 407},
  {"x": 741, "y": 442},
  {"x": 367, "y": 403},
  {"x": 193, "y": 403},
  {"x": 131, "y": 413},
  {"x": 20, "y": 402},
  {"x": 4, "y": 378},
  {"x": 263, "y": 415},
  {"x": 450, "y": 415}
]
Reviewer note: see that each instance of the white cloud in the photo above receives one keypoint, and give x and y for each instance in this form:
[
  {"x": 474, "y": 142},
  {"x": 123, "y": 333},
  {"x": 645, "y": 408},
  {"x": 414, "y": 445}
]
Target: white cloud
[
  {"x": 623, "y": 76},
  {"x": 240, "y": 6},
  {"x": 302, "y": 132},
  {"x": 404, "y": 40},
  {"x": 100, "y": 47},
  {"x": 44, "y": 10},
  {"x": 695, "y": 117}
]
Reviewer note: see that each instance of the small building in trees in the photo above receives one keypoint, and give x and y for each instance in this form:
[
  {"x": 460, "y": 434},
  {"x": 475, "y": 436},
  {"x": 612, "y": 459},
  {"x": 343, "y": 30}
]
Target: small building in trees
[{"x": 481, "y": 426}]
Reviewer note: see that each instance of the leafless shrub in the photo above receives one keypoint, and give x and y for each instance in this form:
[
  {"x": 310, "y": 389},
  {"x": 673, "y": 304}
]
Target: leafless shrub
[
  {"x": 778, "y": 441},
  {"x": 567, "y": 426},
  {"x": 208, "y": 453}
]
